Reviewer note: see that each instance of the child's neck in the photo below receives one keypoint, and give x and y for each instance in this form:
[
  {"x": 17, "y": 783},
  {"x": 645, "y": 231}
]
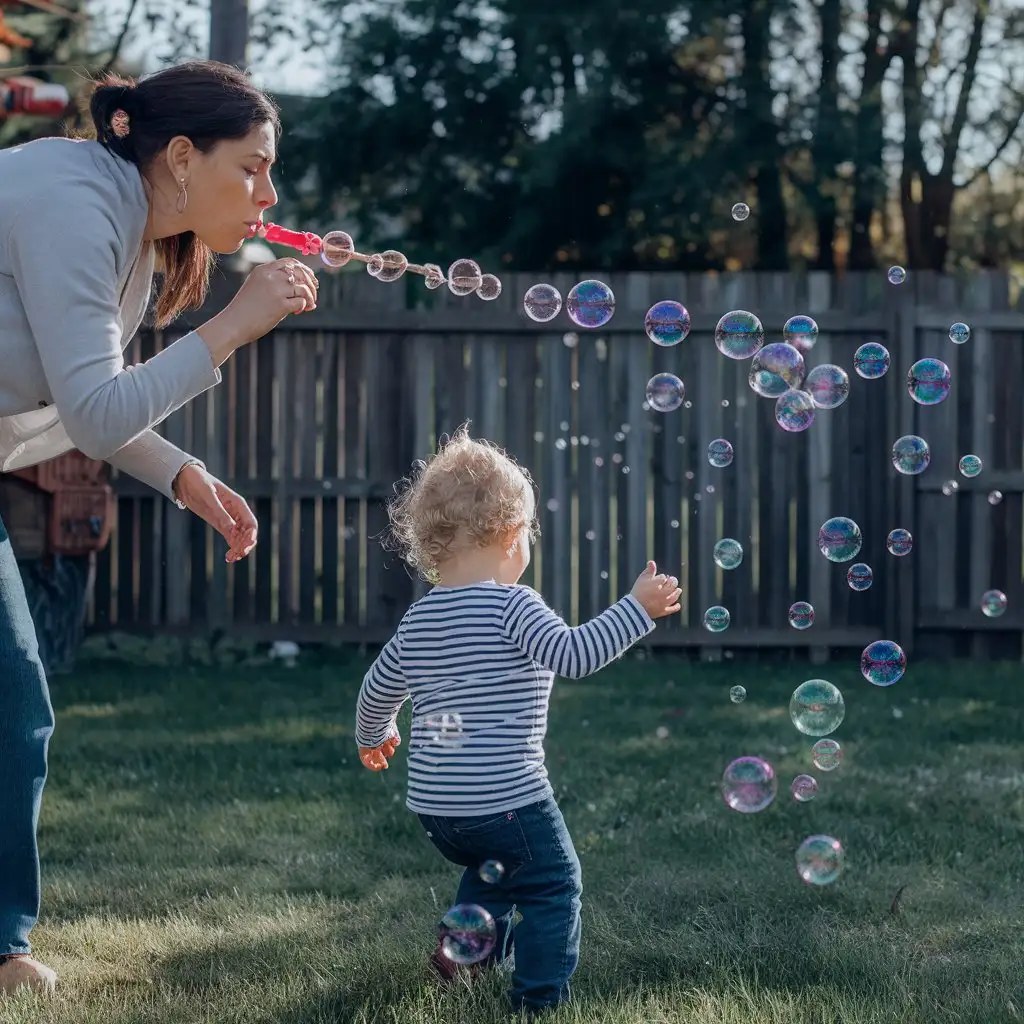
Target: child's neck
[{"x": 464, "y": 572}]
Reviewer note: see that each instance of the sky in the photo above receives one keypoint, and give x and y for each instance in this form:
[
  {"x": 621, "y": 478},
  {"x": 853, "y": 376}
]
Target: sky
[{"x": 283, "y": 67}]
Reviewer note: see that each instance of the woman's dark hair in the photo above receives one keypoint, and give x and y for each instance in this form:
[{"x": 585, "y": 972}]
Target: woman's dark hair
[{"x": 205, "y": 101}]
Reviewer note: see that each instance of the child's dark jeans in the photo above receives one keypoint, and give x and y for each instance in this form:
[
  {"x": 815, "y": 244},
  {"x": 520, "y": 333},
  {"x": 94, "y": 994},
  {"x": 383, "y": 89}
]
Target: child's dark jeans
[{"x": 541, "y": 879}]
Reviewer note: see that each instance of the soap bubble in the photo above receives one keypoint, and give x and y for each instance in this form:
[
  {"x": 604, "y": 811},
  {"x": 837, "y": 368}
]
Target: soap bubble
[
  {"x": 950, "y": 487},
  {"x": 737, "y": 694},
  {"x": 970, "y": 465},
  {"x": 739, "y": 334},
  {"x": 839, "y": 539},
  {"x": 590, "y": 304},
  {"x": 740, "y": 211},
  {"x": 492, "y": 872},
  {"x": 871, "y": 360},
  {"x": 794, "y": 411},
  {"x": 728, "y": 553},
  {"x": 804, "y": 788},
  {"x": 468, "y": 934},
  {"x": 336, "y": 248},
  {"x": 464, "y": 277},
  {"x": 720, "y": 453},
  {"x": 883, "y": 663},
  {"x": 665, "y": 392},
  {"x": 899, "y": 542},
  {"x": 911, "y": 455},
  {"x": 434, "y": 276},
  {"x": 828, "y": 385},
  {"x": 959, "y": 333},
  {"x": 775, "y": 370},
  {"x": 994, "y": 497},
  {"x": 542, "y": 302},
  {"x": 827, "y": 755},
  {"x": 445, "y": 728},
  {"x": 993, "y": 603},
  {"x": 716, "y": 619},
  {"x": 817, "y": 707},
  {"x": 749, "y": 785},
  {"x": 896, "y": 275},
  {"x": 859, "y": 576},
  {"x": 928, "y": 381},
  {"x": 801, "y": 332},
  {"x": 819, "y": 860},
  {"x": 490, "y": 288},
  {"x": 801, "y": 615},
  {"x": 667, "y": 323},
  {"x": 392, "y": 266},
  {"x": 375, "y": 264}
]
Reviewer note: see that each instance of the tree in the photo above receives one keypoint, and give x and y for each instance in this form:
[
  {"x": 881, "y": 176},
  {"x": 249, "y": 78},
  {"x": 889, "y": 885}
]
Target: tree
[{"x": 963, "y": 109}]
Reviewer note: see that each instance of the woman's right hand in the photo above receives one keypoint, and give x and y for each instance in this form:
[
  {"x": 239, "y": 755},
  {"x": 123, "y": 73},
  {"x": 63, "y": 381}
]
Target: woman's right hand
[{"x": 267, "y": 296}]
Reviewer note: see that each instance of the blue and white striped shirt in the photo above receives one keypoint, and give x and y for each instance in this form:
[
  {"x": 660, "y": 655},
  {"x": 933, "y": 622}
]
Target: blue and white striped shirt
[{"x": 478, "y": 663}]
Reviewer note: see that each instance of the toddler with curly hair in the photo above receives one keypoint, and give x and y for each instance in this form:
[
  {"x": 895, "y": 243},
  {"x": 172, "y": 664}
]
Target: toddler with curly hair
[{"x": 478, "y": 655}]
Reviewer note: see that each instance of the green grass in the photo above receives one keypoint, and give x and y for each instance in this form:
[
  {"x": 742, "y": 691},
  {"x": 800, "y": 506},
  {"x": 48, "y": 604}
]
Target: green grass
[{"x": 214, "y": 852}]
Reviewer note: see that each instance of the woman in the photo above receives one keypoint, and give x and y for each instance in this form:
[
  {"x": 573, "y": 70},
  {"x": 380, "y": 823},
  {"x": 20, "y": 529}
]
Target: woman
[{"x": 180, "y": 169}]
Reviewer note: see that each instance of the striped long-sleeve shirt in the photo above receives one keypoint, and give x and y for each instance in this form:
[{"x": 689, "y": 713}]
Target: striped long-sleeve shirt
[{"x": 478, "y": 663}]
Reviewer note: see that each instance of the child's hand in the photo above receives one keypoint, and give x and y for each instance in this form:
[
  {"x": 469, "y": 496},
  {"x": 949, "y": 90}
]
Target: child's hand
[
  {"x": 376, "y": 758},
  {"x": 659, "y": 594}
]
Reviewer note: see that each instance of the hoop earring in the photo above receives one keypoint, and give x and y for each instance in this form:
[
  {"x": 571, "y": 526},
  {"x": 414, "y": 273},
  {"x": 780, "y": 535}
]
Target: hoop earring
[{"x": 182, "y": 197}]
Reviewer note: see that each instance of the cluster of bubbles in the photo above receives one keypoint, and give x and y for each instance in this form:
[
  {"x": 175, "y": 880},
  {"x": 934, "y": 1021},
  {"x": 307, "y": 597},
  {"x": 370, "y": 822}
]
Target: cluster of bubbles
[{"x": 336, "y": 249}]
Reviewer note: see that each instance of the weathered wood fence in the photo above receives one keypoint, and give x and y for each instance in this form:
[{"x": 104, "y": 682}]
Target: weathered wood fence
[{"x": 316, "y": 422}]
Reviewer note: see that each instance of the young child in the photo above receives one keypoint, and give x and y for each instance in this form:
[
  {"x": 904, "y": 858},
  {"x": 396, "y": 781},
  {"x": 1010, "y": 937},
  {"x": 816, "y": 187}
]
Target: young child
[{"x": 478, "y": 655}]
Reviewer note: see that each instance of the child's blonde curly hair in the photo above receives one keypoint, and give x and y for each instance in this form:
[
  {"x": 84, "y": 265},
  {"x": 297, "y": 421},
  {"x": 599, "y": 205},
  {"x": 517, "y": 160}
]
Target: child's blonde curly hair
[{"x": 469, "y": 494}]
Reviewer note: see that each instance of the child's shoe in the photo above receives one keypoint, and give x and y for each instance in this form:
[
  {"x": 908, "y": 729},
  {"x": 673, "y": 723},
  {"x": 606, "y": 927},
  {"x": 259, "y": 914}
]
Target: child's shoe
[
  {"x": 25, "y": 972},
  {"x": 446, "y": 969}
]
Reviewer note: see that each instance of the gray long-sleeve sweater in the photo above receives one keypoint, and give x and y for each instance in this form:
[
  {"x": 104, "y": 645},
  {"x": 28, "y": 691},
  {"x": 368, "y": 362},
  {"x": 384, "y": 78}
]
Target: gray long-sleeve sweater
[{"x": 75, "y": 283}]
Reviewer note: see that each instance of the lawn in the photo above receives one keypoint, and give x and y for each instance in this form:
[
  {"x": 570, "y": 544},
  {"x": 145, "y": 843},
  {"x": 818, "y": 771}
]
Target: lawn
[{"x": 213, "y": 850}]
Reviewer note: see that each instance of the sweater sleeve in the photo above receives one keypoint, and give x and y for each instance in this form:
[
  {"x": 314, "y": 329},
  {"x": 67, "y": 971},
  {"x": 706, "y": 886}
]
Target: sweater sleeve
[
  {"x": 573, "y": 651},
  {"x": 381, "y": 696},
  {"x": 151, "y": 459},
  {"x": 63, "y": 255}
]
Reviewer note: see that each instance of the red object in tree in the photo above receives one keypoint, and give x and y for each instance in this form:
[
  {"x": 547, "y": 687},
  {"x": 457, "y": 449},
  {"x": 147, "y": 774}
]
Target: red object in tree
[{"x": 31, "y": 97}]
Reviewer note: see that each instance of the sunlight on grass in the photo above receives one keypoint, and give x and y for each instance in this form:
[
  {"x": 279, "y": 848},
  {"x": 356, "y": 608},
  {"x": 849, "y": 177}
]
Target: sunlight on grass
[{"x": 212, "y": 852}]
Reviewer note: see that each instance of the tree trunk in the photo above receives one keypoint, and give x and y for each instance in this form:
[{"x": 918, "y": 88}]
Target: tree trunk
[
  {"x": 825, "y": 150},
  {"x": 772, "y": 229},
  {"x": 869, "y": 185}
]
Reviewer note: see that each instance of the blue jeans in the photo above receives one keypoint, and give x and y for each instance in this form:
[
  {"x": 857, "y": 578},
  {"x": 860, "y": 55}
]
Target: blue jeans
[
  {"x": 26, "y": 723},
  {"x": 542, "y": 879}
]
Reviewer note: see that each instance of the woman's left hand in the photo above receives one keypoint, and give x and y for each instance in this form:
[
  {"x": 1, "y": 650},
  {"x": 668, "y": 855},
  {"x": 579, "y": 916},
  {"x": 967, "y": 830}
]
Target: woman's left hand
[{"x": 215, "y": 503}]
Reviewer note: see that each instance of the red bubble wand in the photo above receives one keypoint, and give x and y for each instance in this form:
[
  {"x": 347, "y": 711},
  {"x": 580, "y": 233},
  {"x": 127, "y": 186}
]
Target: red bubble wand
[{"x": 336, "y": 249}]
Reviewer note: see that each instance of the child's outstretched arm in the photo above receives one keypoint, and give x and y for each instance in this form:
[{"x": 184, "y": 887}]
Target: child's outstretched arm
[
  {"x": 578, "y": 651},
  {"x": 382, "y": 694}
]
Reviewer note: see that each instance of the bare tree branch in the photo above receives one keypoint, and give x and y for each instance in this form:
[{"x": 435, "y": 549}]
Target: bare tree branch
[
  {"x": 115, "y": 51},
  {"x": 1011, "y": 132},
  {"x": 952, "y": 146}
]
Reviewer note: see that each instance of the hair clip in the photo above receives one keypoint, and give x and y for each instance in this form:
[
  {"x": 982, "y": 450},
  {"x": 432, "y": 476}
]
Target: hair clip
[{"x": 120, "y": 123}]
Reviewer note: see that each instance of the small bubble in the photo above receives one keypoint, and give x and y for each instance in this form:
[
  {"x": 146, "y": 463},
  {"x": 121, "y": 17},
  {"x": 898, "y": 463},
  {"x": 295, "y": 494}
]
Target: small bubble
[
  {"x": 687, "y": 404},
  {"x": 950, "y": 487},
  {"x": 570, "y": 339},
  {"x": 737, "y": 694},
  {"x": 970, "y": 465},
  {"x": 993, "y": 603},
  {"x": 995, "y": 497},
  {"x": 560, "y": 444},
  {"x": 542, "y": 302},
  {"x": 590, "y": 535},
  {"x": 674, "y": 524},
  {"x": 740, "y": 212},
  {"x": 552, "y": 504},
  {"x": 896, "y": 275}
]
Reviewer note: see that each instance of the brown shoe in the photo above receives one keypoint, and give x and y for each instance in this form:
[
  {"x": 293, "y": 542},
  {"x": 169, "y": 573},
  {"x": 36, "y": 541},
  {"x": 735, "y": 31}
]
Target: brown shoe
[{"x": 23, "y": 971}]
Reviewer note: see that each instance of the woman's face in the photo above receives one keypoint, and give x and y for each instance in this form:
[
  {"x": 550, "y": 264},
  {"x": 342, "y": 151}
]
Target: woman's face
[{"x": 230, "y": 188}]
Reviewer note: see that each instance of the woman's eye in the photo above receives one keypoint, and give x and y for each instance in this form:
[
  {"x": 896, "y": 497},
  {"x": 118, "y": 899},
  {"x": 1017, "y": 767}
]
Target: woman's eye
[{"x": 252, "y": 174}]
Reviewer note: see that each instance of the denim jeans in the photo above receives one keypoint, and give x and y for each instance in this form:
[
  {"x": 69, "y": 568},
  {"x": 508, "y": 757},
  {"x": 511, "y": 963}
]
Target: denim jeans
[
  {"x": 541, "y": 879},
  {"x": 26, "y": 724}
]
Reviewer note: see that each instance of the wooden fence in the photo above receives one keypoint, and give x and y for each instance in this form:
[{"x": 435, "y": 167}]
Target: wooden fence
[{"x": 316, "y": 422}]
